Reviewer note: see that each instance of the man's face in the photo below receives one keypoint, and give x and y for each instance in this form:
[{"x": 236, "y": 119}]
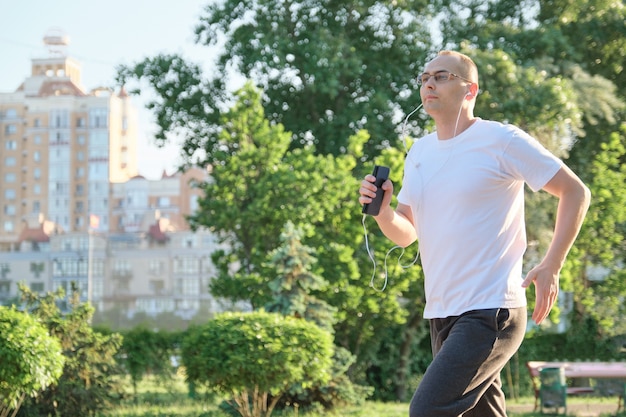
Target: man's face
[{"x": 443, "y": 96}]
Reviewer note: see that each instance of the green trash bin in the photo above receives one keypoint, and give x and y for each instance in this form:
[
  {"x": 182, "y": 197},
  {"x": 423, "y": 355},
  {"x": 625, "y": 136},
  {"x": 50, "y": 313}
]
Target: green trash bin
[{"x": 553, "y": 389}]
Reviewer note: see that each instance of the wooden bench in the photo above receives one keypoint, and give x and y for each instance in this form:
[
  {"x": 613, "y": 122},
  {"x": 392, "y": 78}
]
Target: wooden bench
[{"x": 534, "y": 367}]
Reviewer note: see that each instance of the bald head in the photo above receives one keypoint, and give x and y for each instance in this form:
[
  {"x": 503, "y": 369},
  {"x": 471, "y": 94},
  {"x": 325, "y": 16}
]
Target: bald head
[{"x": 464, "y": 65}]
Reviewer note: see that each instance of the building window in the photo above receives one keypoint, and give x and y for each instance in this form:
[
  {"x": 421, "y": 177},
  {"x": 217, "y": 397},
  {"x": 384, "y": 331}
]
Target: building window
[
  {"x": 98, "y": 118},
  {"x": 37, "y": 138},
  {"x": 9, "y": 210},
  {"x": 187, "y": 286},
  {"x": 5, "y": 288},
  {"x": 189, "y": 242},
  {"x": 10, "y": 177},
  {"x": 37, "y": 123},
  {"x": 157, "y": 286},
  {"x": 61, "y": 138},
  {"x": 9, "y": 194},
  {"x": 5, "y": 268},
  {"x": 37, "y": 156},
  {"x": 122, "y": 266},
  {"x": 10, "y": 129},
  {"x": 122, "y": 286},
  {"x": 97, "y": 267},
  {"x": 156, "y": 266},
  {"x": 60, "y": 118},
  {"x": 37, "y": 268},
  {"x": 186, "y": 265},
  {"x": 69, "y": 267},
  {"x": 8, "y": 226},
  {"x": 11, "y": 145},
  {"x": 97, "y": 289}
]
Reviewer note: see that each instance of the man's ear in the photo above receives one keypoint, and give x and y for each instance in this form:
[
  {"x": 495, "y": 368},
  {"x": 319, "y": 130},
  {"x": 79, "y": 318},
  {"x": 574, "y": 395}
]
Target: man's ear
[{"x": 472, "y": 91}]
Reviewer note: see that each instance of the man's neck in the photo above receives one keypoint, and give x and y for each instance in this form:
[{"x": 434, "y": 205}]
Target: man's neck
[{"x": 450, "y": 128}]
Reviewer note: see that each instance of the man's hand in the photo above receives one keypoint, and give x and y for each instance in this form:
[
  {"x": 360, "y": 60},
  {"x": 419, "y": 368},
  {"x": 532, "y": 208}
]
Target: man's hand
[
  {"x": 368, "y": 191},
  {"x": 546, "y": 282}
]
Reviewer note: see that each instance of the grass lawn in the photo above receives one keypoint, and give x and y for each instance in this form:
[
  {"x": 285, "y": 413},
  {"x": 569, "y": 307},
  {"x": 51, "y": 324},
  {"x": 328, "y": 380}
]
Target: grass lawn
[{"x": 171, "y": 399}]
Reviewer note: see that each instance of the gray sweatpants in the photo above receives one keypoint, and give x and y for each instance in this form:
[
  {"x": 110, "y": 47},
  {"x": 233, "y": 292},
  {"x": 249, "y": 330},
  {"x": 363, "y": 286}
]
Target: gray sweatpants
[{"x": 469, "y": 352}]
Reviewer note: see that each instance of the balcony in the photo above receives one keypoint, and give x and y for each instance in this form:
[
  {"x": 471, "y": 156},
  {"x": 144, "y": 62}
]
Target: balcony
[{"x": 122, "y": 275}]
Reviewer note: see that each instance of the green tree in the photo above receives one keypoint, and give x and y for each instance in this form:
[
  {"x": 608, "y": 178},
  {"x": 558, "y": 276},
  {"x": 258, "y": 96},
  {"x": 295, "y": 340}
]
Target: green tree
[
  {"x": 601, "y": 245},
  {"x": 88, "y": 382},
  {"x": 252, "y": 356},
  {"x": 600, "y": 23},
  {"x": 324, "y": 66},
  {"x": 261, "y": 187},
  {"x": 327, "y": 70},
  {"x": 147, "y": 352},
  {"x": 295, "y": 284},
  {"x": 294, "y": 294},
  {"x": 31, "y": 359}
]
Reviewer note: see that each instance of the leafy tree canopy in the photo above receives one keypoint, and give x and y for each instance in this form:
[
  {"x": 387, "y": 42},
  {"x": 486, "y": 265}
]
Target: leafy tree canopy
[
  {"x": 89, "y": 381},
  {"x": 295, "y": 284},
  {"x": 147, "y": 351},
  {"x": 597, "y": 261},
  {"x": 31, "y": 358},
  {"x": 327, "y": 70},
  {"x": 263, "y": 187}
]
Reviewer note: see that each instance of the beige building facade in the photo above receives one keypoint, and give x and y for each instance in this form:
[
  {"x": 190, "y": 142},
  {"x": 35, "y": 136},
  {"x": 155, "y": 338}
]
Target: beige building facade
[
  {"x": 61, "y": 147},
  {"x": 128, "y": 273},
  {"x": 77, "y": 214}
]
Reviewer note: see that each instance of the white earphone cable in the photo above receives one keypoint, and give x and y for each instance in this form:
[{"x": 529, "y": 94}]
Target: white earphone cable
[{"x": 367, "y": 246}]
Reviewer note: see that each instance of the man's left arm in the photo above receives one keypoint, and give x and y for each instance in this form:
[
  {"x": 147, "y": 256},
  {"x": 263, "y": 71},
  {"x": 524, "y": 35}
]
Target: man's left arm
[{"x": 574, "y": 198}]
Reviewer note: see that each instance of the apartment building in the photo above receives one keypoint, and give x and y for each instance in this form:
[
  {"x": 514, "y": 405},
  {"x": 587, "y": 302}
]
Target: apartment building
[
  {"x": 61, "y": 147},
  {"x": 137, "y": 203},
  {"x": 128, "y": 273},
  {"x": 77, "y": 214}
]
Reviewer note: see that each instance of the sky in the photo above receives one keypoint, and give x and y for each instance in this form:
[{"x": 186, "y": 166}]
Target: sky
[{"x": 103, "y": 35}]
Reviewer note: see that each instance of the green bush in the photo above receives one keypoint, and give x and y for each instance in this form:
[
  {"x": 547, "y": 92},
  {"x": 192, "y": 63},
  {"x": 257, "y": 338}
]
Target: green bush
[
  {"x": 89, "y": 381},
  {"x": 250, "y": 356},
  {"x": 31, "y": 358}
]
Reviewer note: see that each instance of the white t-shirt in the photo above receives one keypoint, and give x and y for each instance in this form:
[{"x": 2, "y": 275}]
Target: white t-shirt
[{"x": 467, "y": 199}]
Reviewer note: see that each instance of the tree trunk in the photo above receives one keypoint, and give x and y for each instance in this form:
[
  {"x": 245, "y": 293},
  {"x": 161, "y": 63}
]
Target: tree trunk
[{"x": 413, "y": 324}]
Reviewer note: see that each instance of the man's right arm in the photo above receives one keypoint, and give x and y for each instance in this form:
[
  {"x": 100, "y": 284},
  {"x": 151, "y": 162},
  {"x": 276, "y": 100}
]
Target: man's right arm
[{"x": 397, "y": 225}]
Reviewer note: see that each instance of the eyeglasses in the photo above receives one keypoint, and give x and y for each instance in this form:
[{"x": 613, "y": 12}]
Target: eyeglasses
[{"x": 439, "y": 77}]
